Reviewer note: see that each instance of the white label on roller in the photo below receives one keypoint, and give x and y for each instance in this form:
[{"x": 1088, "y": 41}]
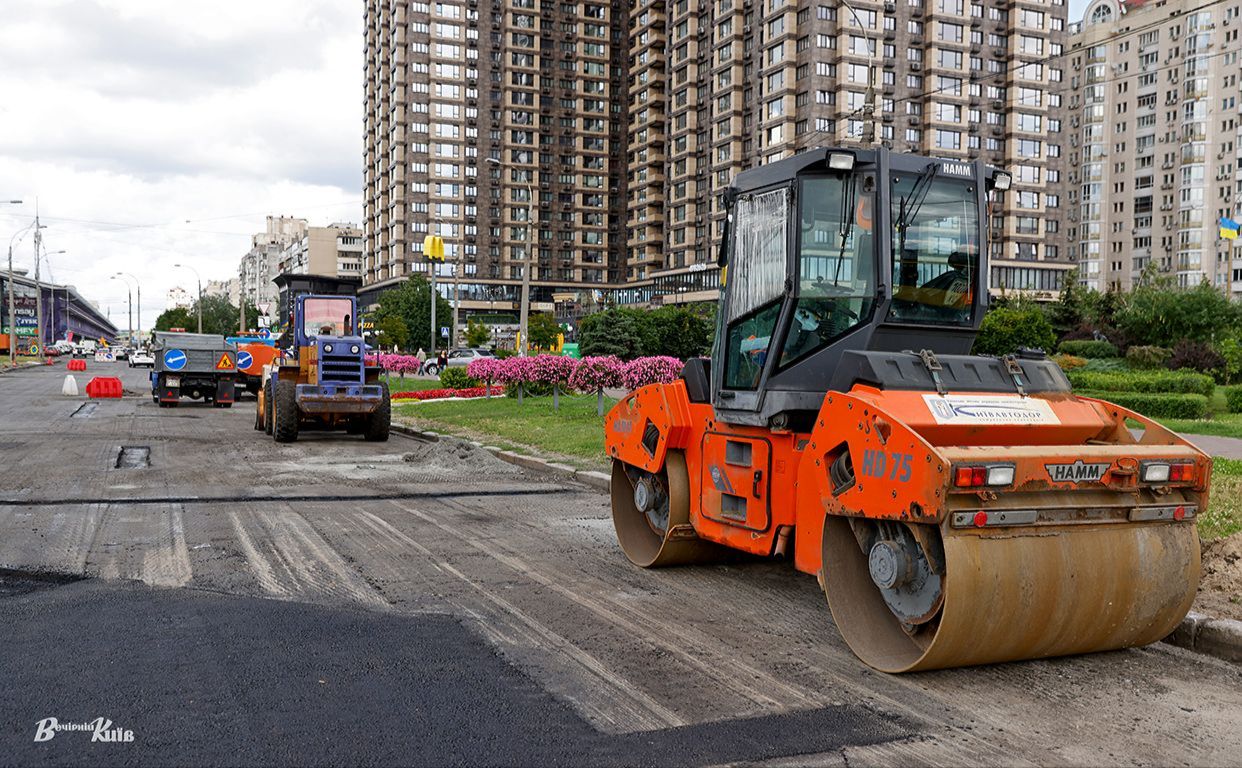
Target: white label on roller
[{"x": 989, "y": 409}]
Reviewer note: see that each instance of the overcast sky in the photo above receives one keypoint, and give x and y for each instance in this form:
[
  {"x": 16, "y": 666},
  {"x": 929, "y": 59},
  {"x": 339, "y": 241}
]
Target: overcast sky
[{"x": 128, "y": 118}]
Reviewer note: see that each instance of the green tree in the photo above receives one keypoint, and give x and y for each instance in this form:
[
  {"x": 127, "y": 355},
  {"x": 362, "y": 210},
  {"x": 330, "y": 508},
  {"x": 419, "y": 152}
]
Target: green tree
[
  {"x": 543, "y": 330},
  {"x": 1157, "y": 312},
  {"x": 177, "y": 317},
  {"x": 411, "y": 301},
  {"x": 677, "y": 331},
  {"x": 220, "y": 316},
  {"x": 1070, "y": 310},
  {"x": 391, "y": 331},
  {"x": 477, "y": 334},
  {"x": 1008, "y": 328},
  {"x": 611, "y": 332}
]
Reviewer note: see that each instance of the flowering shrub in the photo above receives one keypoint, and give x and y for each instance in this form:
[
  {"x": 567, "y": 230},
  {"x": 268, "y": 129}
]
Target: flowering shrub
[
  {"x": 436, "y": 394},
  {"x": 551, "y": 369},
  {"x": 514, "y": 370},
  {"x": 594, "y": 374},
  {"x": 483, "y": 368},
  {"x": 395, "y": 363},
  {"x": 650, "y": 370}
]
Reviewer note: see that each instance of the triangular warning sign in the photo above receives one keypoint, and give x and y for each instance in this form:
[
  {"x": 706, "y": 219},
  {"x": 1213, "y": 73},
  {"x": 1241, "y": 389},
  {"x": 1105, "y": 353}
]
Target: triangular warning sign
[{"x": 225, "y": 363}]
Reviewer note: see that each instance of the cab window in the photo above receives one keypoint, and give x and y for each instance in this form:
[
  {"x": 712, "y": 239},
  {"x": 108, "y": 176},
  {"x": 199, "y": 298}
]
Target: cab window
[
  {"x": 756, "y": 283},
  {"x": 836, "y": 262},
  {"x": 327, "y": 317},
  {"x": 935, "y": 249}
]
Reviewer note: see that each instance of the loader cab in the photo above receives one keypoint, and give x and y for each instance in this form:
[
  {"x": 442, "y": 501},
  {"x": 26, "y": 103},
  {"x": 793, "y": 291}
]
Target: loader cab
[
  {"x": 324, "y": 317},
  {"x": 836, "y": 250}
]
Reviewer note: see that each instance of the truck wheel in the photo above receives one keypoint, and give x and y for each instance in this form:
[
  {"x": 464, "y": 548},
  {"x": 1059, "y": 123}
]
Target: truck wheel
[
  {"x": 378, "y": 422},
  {"x": 285, "y": 417},
  {"x": 269, "y": 403}
]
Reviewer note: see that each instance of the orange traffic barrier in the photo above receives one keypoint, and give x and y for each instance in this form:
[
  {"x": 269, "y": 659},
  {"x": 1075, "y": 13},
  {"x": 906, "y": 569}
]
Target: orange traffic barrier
[{"x": 103, "y": 387}]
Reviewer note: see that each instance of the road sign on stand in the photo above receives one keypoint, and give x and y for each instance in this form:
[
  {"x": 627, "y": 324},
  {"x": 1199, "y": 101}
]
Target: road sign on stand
[
  {"x": 265, "y": 334},
  {"x": 444, "y": 331}
]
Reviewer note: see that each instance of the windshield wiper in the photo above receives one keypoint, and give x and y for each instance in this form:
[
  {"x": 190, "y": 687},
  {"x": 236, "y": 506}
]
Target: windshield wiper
[
  {"x": 847, "y": 221},
  {"x": 917, "y": 196}
]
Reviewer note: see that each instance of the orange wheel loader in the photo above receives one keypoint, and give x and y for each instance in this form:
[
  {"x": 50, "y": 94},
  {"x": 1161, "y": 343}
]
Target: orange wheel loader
[{"x": 958, "y": 509}]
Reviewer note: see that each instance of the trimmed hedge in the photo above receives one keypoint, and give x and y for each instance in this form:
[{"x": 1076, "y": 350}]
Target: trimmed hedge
[
  {"x": 1155, "y": 382},
  {"x": 1157, "y": 406},
  {"x": 1233, "y": 396},
  {"x": 1088, "y": 348}
]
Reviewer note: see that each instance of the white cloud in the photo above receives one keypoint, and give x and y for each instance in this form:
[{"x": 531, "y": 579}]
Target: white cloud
[{"x": 145, "y": 112}]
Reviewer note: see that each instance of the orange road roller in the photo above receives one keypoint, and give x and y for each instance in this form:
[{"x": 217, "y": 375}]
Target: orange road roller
[{"x": 958, "y": 509}]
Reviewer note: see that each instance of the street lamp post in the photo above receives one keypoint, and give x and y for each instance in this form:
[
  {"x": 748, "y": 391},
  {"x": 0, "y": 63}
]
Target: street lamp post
[
  {"x": 524, "y": 309},
  {"x": 130, "y": 298},
  {"x": 138, "y": 314},
  {"x": 39, "y": 287},
  {"x": 12, "y": 318},
  {"x": 200, "y": 293}
]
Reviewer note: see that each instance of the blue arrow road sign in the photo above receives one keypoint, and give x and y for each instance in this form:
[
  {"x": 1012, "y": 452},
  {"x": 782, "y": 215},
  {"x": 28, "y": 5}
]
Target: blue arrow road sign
[
  {"x": 244, "y": 359},
  {"x": 265, "y": 333},
  {"x": 174, "y": 359}
]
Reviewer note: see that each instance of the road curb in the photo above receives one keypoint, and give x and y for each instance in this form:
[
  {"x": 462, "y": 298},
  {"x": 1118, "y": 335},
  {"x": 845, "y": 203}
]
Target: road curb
[
  {"x": 597, "y": 480},
  {"x": 21, "y": 367},
  {"x": 1221, "y": 638}
]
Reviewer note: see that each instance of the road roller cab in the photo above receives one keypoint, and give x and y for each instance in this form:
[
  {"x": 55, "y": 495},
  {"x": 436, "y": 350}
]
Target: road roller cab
[{"x": 958, "y": 509}]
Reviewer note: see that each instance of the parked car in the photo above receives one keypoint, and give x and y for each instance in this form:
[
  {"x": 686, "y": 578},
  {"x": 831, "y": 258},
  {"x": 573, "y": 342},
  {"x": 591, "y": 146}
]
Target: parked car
[
  {"x": 141, "y": 358},
  {"x": 457, "y": 358}
]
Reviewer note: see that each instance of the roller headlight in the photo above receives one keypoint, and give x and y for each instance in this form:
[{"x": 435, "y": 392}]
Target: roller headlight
[
  {"x": 327, "y": 348},
  {"x": 354, "y": 349}
]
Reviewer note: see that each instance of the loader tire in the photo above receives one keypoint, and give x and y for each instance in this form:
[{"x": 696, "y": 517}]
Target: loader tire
[
  {"x": 378, "y": 422},
  {"x": 285, "y": 415}
]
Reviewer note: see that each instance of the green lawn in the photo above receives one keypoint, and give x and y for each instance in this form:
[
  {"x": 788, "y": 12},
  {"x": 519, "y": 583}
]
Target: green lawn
[
  {"x": 1220, "y": 425},
  {"x": 575, "y": 432},
  {"x": 1224, "y": 513}
]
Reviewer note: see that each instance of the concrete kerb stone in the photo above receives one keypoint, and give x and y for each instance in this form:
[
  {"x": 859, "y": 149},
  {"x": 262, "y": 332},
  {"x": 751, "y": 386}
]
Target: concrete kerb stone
[
  {"x": 1221, "y": 638},
  {"x": 597, "y": 480}
]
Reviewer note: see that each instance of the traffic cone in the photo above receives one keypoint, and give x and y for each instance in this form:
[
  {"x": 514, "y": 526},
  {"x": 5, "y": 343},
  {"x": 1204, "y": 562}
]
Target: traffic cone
[{"x": 70, "y": 387}]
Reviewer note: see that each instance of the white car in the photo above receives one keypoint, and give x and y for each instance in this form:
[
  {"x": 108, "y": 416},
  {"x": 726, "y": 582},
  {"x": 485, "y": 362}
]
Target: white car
[{"x": 141, "y": 358}]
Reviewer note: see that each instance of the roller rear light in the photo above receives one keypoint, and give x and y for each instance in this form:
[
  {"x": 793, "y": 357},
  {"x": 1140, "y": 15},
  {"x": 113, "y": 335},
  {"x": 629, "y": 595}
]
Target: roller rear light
[
  {"x": 1168, "y": 472},
  {"x": 983, "y": 475}
]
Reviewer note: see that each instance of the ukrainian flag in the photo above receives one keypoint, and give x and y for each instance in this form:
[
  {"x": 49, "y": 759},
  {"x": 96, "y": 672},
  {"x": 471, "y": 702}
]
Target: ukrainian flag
[{"x": 1229, "y": 229}]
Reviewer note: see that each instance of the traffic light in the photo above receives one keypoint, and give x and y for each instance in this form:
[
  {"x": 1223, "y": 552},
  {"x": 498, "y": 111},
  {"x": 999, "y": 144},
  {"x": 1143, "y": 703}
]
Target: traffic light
[{"x": 433, "y": 247}]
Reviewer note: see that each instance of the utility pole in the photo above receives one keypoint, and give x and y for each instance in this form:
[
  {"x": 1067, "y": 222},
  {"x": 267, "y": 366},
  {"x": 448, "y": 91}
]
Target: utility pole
[
  {"x": 130, "y": 296},
  {"x": 199, "y": 280},
  {"x": 457, "y": 297},
  {"x": 870, "y": 109},
  {"x": 38, "y": 242},
  {"x": 524, "y": 310}
]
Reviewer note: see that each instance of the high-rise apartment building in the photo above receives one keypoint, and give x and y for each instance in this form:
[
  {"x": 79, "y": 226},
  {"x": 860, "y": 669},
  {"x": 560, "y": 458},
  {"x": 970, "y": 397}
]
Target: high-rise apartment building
[
  {"x": 262, "y": 262},
  {"x": 331, "y": 251},
  {"x": 717, "y": 86},
  {"x": 1156, "y": 153},
  {"x": 498, "y": 125}
]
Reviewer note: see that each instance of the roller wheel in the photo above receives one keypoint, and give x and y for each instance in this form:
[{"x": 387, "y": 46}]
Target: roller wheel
[
  {"x": 651, "y": 513},
  {"x": 379, "y": 421},
  {"x": 285, "y": 416},
  {"x": 909, "y": 597}
]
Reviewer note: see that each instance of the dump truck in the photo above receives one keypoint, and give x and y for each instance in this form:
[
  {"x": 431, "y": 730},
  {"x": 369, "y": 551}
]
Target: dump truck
[
  {"x": 200, "y": 366},
  {"x": 324, "y": 380},
  {"x": 957, "y": 509}
]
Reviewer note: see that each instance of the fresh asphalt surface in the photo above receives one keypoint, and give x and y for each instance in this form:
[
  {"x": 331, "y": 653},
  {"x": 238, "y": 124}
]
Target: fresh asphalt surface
[{"x": 230, "y": 601}]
